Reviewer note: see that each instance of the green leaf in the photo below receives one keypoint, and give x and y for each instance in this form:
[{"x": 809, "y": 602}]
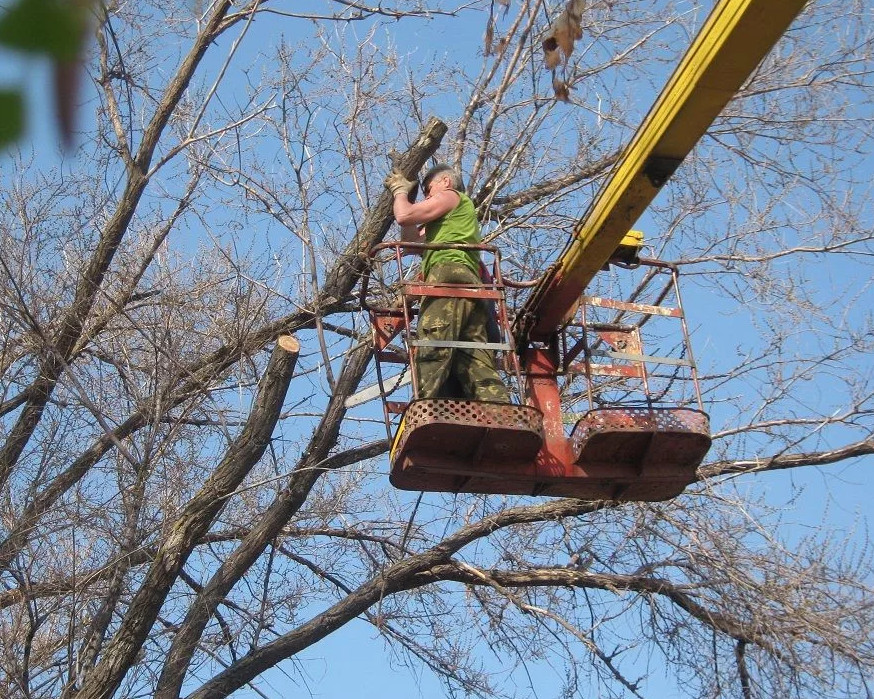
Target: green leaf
[
  {"x": 11, "y": 116},
  {"x": 51, "y": 27}
]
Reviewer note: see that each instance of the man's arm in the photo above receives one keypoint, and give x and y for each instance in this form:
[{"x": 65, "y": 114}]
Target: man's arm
[{"x": 435, "y": 206}]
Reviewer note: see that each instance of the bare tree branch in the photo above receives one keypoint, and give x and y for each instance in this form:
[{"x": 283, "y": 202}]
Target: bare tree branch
[{"x": 193, "y": 523}]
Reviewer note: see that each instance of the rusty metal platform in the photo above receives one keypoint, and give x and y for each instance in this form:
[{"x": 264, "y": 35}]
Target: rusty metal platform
[
  {"x": 466, "y": 446},
  {"x": 641, "y": 453},
  {"x": 642, "y": 436}
]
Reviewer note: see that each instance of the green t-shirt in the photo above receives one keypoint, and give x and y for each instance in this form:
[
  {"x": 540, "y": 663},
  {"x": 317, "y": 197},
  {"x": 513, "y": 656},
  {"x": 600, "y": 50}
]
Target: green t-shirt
[{"x": 457, "y": 226}]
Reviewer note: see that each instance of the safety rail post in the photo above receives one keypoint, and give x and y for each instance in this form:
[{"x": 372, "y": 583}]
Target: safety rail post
[{"x": 675, "y": 276}]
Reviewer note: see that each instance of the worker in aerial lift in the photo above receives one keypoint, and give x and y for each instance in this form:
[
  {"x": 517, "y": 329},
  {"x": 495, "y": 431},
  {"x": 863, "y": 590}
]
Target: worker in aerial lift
[{"x": 447, "y": 215}]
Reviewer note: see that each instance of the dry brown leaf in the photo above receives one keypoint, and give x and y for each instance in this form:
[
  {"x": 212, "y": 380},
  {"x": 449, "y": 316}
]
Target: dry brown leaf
[
  {"x": 574, "y": 14},
  {"x": 561, "y": 88},
  {"x": 489, "y": 37},
  {"x": 563, "y": 33},
  {"x": 551, "y": 55},
  {"x": 565, "y": 30},
  {"x": 575, "y": 8},
  {"x": 575, "y": 28}
]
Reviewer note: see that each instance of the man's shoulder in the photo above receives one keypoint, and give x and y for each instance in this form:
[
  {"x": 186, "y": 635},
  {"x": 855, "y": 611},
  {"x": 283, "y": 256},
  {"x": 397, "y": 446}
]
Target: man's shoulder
[
  {"x": 463, "y": 201},
  {"x": 456, "y": 196}
]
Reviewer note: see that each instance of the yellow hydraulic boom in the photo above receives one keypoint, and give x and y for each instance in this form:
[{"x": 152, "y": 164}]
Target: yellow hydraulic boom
[{"x": 735, "y": 38}]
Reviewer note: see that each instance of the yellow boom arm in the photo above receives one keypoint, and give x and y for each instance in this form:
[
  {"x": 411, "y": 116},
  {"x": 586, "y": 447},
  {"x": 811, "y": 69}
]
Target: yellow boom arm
[{"x": 735, "y": 38}]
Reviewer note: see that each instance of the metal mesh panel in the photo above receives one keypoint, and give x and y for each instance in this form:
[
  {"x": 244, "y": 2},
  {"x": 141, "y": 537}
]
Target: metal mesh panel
[
  {"x": 473, "y": 413},
  {"x": 463, "y": 432},
  {"x": 646, "y": 419}
]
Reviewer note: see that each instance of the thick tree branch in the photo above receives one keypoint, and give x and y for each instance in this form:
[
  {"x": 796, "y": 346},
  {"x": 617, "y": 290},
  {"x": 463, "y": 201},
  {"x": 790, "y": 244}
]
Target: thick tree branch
[
  {"x": 193, "y": 523},
  {"x": 864, "y": 447},
  {"x": 566, "y": 577},
  {"x": 403, "y": 575},
  {"x": 415, "y": 572},
  {"x": 308, "y": 470},
  {"x": 339, "y": 283}
]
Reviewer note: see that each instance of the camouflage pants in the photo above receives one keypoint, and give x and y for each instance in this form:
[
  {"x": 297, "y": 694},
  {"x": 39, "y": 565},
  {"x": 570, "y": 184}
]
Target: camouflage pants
[{"x": 445, "y": 372}]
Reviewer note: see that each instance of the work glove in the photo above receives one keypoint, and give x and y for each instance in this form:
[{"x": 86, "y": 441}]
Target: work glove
[{"x": 396, "y": 183}]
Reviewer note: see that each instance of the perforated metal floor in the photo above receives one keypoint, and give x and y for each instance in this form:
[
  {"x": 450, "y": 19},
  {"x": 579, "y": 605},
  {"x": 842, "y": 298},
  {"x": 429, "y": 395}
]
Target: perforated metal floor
[{"x": 655, "y": 439}]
